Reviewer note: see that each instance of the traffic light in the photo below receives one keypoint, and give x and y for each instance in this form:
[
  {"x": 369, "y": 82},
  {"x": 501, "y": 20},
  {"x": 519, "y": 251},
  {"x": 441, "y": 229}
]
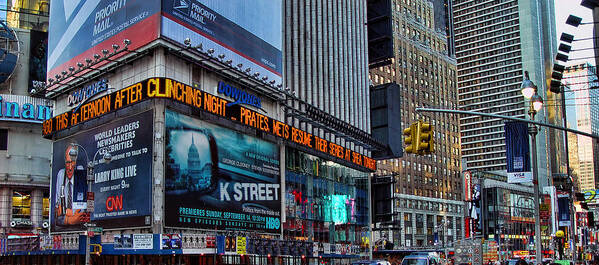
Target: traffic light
[
  {"x": 426, "y": 142},
  {"x": 409, "y": 140}
]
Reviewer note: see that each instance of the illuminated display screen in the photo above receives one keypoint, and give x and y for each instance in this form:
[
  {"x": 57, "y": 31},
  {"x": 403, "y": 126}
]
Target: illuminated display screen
[
  {"x": 182, "y": 93},
  {"x": 338, "y": 208}
]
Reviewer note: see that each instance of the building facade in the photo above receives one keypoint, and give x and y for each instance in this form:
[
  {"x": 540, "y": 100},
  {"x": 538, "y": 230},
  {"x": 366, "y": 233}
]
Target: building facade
[
  {"x": 577, "y": 80},
  {"x": 496, "y": 41},
  {"x": 220, "y": 150},
  {"x": 24, "y": 154},
  {"x": 428, "y": 189},
  {"x": 326, "y": 78}
]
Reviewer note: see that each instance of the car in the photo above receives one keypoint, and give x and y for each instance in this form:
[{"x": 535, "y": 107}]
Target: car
[
  {"x": 371, "y": 262},
  {"x": 421, "y": 259}
]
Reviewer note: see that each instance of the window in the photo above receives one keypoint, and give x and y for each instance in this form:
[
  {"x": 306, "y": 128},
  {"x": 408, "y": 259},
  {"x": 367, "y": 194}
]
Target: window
[
  {"x": 46, "y": 205},
  {"x": 3, "y": 139},
  {"x": 21, "y": 204}
]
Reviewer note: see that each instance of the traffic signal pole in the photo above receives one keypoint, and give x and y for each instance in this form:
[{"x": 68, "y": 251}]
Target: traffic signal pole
[{"x": 473, "y": 113}]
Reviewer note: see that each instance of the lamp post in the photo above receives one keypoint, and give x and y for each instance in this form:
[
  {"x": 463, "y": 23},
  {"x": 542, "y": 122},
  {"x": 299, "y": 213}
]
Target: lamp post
[
  {"x": 441, "y": 230},
  {"x": 106, "y": 157},
  {"x": 529, "y": 91}
]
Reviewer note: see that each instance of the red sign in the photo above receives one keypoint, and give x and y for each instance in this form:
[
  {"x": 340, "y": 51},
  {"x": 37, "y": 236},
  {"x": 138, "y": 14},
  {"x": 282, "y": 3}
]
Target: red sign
[
  {"x": 467, "y": 227},
  {"x": 90, "y": 195},
  {"x": 467, "y": 186}
]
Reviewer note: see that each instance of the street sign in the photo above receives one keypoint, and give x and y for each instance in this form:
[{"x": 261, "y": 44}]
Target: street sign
[
  {"x": 96, "y": 229},
  {"x": 90, "y": 206},
  {"x": 90, "y": 201}
]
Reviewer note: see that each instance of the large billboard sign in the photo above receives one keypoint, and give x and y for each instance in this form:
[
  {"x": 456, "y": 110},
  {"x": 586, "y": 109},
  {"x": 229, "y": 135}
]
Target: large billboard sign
[
  {"x": 79, "y": 29},
  {"x": 199, "y": 100},
  {"x": 121, "y": 189},
  {"x": 247, "y": 32},
  {"x": 217, "y": 178}
]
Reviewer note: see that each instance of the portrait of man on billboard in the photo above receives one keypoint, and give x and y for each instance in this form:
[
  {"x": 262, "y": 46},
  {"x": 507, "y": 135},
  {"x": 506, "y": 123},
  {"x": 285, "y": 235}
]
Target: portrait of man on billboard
[{"x": 71, "y": 189}]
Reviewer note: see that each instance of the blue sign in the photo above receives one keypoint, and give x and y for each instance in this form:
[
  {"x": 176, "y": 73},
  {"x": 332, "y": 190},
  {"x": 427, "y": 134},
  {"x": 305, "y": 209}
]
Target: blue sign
[
  {"x": 79, "y": 29},
  {"x": 517, "y": 152},
  {"x": 239, "y": 96},
  {"x": 122, "y": 188},
  {"x": 82, "y": 95},
  {"x": 24, "y": 109}
]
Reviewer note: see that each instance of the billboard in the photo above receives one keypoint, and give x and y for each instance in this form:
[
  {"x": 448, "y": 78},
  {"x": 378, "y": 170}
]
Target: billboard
[
  {"x": 217, "y": 178},
  {"x": 121, "y": 189},
  {"x": 247, "y": 32},
  {"x": 79, "y": 29}
]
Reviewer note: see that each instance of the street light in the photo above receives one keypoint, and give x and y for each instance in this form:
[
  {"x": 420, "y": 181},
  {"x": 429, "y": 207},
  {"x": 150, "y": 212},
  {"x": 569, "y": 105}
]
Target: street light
[
  {"x": 106, "y": 158},
  {"x": 529, "y": 91}
]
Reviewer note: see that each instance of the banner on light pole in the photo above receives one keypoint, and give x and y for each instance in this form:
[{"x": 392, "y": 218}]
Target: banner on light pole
[{"x": 517, "y": 152}]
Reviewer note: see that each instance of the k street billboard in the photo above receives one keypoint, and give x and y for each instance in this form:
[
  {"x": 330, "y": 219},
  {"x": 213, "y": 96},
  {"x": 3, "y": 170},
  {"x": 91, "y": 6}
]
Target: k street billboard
[
  {"x": 217, "y": 178},
  {"x": 121, "y": 189}
]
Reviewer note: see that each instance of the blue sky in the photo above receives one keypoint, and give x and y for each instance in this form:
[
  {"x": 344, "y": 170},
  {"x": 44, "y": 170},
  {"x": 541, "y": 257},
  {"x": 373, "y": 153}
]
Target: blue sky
[{"x": 564, "y": 8}]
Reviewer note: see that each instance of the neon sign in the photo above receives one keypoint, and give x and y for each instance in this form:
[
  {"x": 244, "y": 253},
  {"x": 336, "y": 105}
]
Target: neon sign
[
  {"x": 176, "y": 91},
  {"x": 24, "y": 109}
]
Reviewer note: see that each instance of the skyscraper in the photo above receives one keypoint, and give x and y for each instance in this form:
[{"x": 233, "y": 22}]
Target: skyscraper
[
  {"x": 496, "y": 41},
  {"x": 428, "y": 187},
  {"x": 579, "y": 79},
  {"x": 326, "y": 76},
  {"x": 325, "y": 57}
]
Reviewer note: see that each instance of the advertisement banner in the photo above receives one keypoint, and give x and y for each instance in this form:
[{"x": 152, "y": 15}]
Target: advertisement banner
[
  {"x": 38, "y": 55},
  {"x": 121, "y": 188},
  {"x": 563, "y": 207},
  {"x": 247, "y": 32},
  {"x": 217, "y": 178},
  {"x": 143, "y": 241},
  {"x": 88, "y": 27},
  {"x": 467, "y": 186},
  {"x": 171, "y": 241},
  {"x": 517, "y": 152}
]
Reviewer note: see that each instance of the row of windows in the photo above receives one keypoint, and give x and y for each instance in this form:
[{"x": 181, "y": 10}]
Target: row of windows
[
  {"x": 496, "y": 41},
  {"x": 500, "y": 64},
  {"x": 483, "y": 89},
  {"x": 472, "y": 37},
  {"x": 499, "y": 97},
  {"x": 490, "y": 79},
  {"x": 474, "y": 5},
  {"x": 500, "y": 164},
  {"x": 484, "y": 21},
  {"x": 493, "y": 21},
  {"x": 502, "y": 105},
  {"x": 512, "y": 68},
  {"x": 480, "y": 125},
  {"x": 484, "y": 51},
  {"x": 485, "y": 150},
  {"x": 465, "y": 141}
]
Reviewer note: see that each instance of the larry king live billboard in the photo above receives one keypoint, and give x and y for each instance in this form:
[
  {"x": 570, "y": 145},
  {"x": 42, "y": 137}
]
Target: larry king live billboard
[
  {"x": 121, "y": 188},
  {"x": 217, "y": 178},
  {"x": 81, "y": 28},
  {"x": 247, "y": 32}
]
